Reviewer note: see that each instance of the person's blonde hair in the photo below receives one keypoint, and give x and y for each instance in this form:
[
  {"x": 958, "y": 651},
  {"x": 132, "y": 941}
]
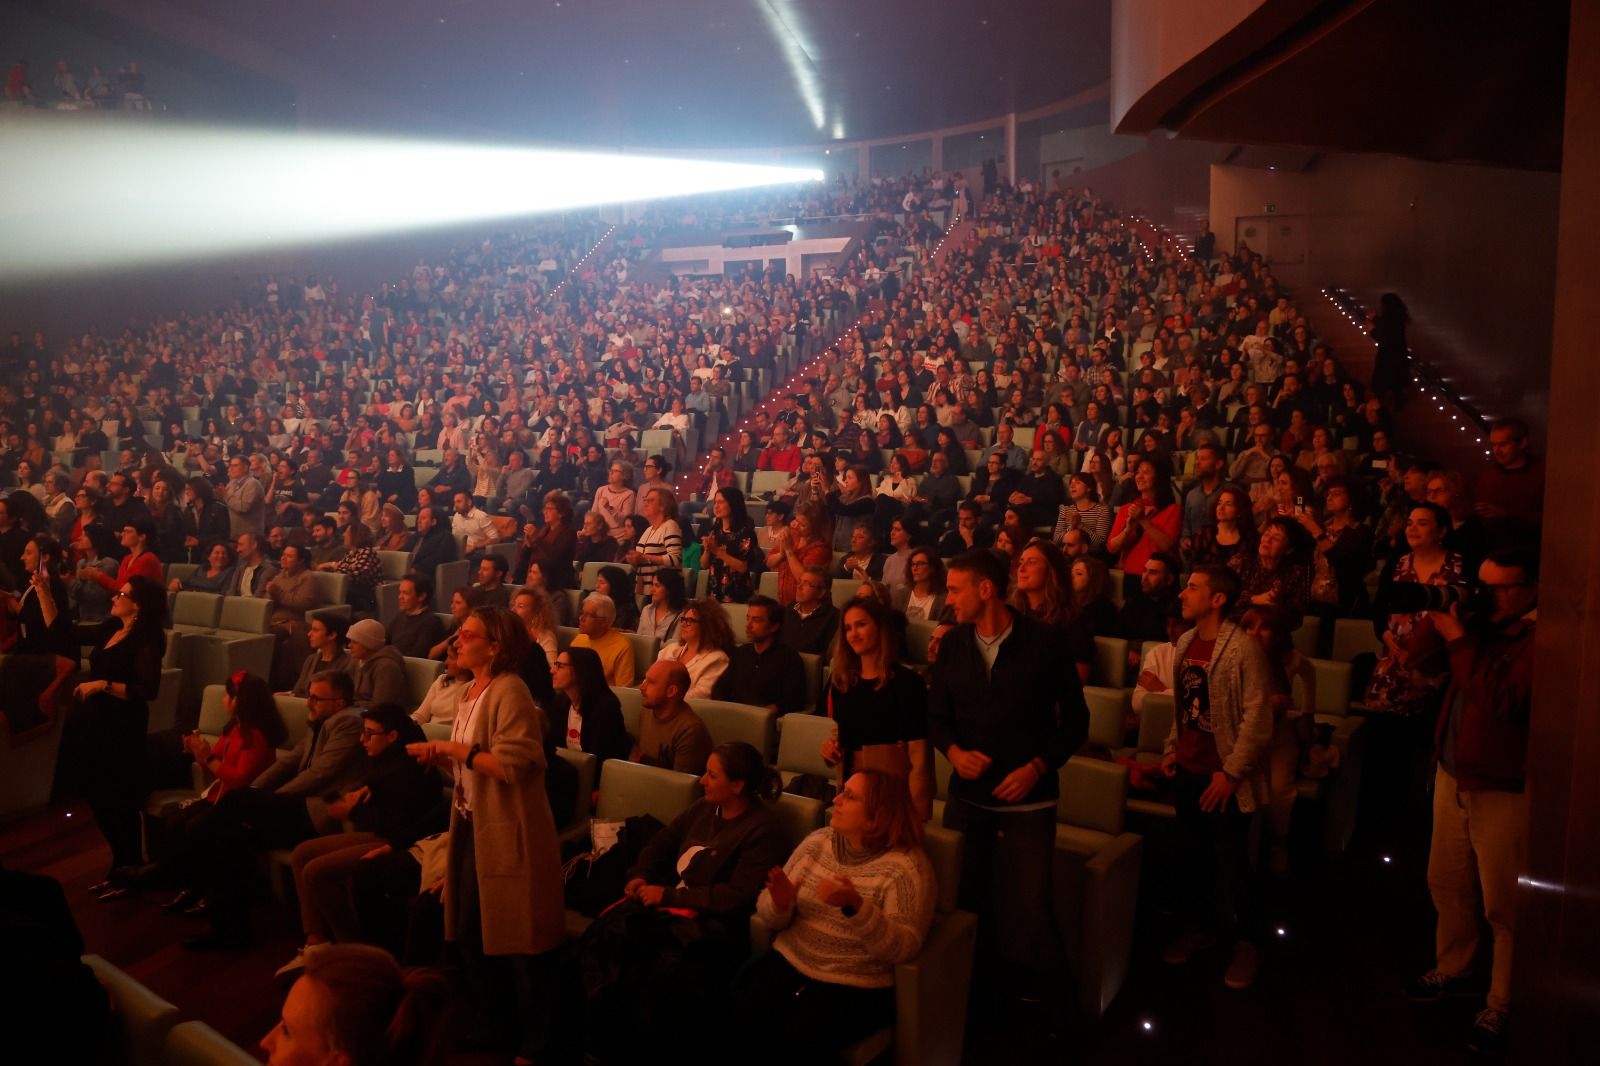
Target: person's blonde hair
[{"x": 509, "y": 636}]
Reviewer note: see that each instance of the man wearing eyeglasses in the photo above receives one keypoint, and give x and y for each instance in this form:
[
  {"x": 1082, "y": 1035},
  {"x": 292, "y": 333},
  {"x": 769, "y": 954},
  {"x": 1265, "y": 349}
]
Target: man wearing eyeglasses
[
  {"x": 399, "y": 804},
  {"x": 1480, "y": 803},
  {"x": 596, "y": 633},
  {"x": 293, "y": 800}
]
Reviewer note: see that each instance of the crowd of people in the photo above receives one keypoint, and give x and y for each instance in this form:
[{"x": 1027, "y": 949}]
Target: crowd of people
[
  {"x": 1046, "y": 408},
  {"x": 95, "y": 91}
]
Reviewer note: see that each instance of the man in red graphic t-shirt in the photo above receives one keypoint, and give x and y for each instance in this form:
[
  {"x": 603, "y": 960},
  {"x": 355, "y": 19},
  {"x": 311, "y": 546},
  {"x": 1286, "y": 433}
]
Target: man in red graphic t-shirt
[{"x": 1216, "y": 756}]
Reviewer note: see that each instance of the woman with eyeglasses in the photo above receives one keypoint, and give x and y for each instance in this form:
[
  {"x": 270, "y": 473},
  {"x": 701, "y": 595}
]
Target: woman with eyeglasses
[
  {"x": 503, "y": 883},
  {"x": 705, "y": 639},
  {"x": 102, "y": 746},
  {"x": 853, "y": 901},
  {"x": 585, "y": 715}
]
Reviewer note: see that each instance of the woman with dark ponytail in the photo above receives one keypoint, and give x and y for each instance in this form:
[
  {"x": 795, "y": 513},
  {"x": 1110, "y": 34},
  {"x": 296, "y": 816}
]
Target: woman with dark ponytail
[
  {"x": 354, "y": 1004},
  {"x": 662, "y": 957}
]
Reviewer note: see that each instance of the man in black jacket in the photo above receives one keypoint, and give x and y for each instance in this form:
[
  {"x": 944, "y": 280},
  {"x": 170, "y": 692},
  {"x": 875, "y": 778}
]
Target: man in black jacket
[
  {"x": 1007, "y": 713},
  {"x": 401, "y": 802}
]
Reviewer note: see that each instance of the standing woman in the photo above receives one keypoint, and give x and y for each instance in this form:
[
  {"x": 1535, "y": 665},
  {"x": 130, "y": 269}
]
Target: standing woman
[
  {"x": 1145, "y": 525},
  {"x": 502, "y": 886},
  {"x": 103, "y": 744},
  {"x": 168, "y": 543},
  {"x": 1083, "y": 510},
  {"x": 879, "y": 707},
  {"x": 851, "y": 505},
  {"x": 796, "y": 547},
  {"x": 46, "y": 649},
  {"x": 729, "y": 548},
  {"x": 1391, "y": 366},
  {"x": 553, "y": 545},
  {"x": 1232, "y": 529}
]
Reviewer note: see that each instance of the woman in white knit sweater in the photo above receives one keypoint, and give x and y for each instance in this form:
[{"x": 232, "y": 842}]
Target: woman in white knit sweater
[{"x": 853, "y": 901}]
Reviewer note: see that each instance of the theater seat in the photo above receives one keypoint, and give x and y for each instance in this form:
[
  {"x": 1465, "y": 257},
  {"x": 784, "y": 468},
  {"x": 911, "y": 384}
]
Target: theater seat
[
  {"x": 420, "y": 676},
  {"x": 197, "y": 1044},
  {"x": 28, "y": 767},
  {"x": 644, "y": 653},
  {"x": 800, "y": 816},
  {"x": 1110, "y": 662},
  {"x": 628, "y": 789},
  {"x": 1095, "y": 878},
  {"x": 736, "y": 613},
  {"x": 800, "y": 738},
  {"x": 588, "y": 768},
  {"x": 196, "y": 612},
  {"x": 1107, "y": 715},
  {"x": 144, "y": 1019},
  {"x": 728, "y": 722},
  {"x": 632, "y": 701}
]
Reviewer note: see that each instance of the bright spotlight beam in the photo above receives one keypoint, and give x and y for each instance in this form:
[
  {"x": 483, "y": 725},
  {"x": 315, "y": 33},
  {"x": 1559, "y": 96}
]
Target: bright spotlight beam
[{"x": 94, "y": 194}]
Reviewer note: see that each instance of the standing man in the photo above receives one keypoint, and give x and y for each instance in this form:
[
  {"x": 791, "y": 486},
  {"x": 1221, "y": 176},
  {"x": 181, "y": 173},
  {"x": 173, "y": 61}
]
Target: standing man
[
  {"x": 1210, "y": 462},
  {"x": 1007, "y": 717},
  {"x": 1480, "y": 806},
  {"x": 245, "y": 499},
  {"x": 1216, "y": 754}
]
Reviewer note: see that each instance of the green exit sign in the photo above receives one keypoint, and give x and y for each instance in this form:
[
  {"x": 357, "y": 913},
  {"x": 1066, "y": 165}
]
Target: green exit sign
[{"x": 1272, "y": 209}]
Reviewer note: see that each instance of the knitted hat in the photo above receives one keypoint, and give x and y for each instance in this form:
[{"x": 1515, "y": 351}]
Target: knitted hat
[{"x": 368, "y": 633}]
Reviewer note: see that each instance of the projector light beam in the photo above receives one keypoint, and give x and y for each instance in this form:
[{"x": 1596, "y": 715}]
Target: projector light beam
[{"x": 94, "y": 194}]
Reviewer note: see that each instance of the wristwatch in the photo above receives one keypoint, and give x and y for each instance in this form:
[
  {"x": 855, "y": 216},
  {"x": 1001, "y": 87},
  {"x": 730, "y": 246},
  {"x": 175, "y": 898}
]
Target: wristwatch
[
  {"x": 848, "y": 911},
  {"x": 472, "y": 754}
]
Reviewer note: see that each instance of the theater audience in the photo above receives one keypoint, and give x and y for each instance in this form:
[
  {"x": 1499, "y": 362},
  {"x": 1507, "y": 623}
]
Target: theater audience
[
  {"x": 212, "y": 576},
  {"x": 1217, "y": 755},
  {"x": 670, "y": 734},
  {"x": 534, "y": 610},
  {"x": 326, "y": 636},
  {"x": 852, "y": 902},
  {"x": 397, "y": 804},
  {"x": 704, "y": 642},
  {"x": 502, "y": 890},
  {"x": 595, "y": 632},
  {"x": 695, "y": 882},
  {"x": 796, "y": 547},
  {"x": 810, "y": 622},
  {"x": 660, "y": 617},
  {"x": 1006, "y": 717},
  {"x": 764, "y": 671},
  {"x": 438, "y": 704},
  {"x": 1294, "y": 705},
  {"x": 615, "y": 582},
  {"x": 102, "y": 744},
  {"x": 34, "y": 672},
  {"x": 584, "y": 713},
  {"x": 379, "y": 670},
  {"x": 879, "y": 706},
  {"x": 415, "y": 629}
]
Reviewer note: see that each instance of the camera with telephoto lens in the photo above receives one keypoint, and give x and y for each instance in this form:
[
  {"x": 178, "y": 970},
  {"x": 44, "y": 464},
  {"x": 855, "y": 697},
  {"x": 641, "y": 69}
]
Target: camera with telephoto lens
[{"x": 1474, "y": 603}]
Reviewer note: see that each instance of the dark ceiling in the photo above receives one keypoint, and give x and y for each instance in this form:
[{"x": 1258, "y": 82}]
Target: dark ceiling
[{"x": 702, "y": 73}]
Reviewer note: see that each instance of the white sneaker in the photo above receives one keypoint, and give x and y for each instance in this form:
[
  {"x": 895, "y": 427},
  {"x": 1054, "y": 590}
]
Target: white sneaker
[{"x": 298, "y": 963}]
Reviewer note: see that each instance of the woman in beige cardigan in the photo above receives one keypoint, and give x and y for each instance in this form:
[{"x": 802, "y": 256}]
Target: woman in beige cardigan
[{"x": 502, "y": 889}]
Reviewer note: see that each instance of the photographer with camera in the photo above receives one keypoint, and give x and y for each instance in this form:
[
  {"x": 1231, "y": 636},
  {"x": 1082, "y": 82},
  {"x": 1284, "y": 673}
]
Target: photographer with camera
[{"x": 1480, "y": 808}]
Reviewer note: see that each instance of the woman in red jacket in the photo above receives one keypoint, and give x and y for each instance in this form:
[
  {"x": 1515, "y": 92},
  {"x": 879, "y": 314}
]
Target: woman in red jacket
[
  {"x": 248, "y": 745},
  {"x": 140, "y": 560}
]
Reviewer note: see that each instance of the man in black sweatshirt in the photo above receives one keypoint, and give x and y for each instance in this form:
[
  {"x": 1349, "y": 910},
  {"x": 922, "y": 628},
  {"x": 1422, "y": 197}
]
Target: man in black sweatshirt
[{"x": 1007, "y": 710}]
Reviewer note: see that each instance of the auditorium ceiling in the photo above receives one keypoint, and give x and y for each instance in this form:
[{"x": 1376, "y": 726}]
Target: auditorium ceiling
[{"x": 703, "y": 73}]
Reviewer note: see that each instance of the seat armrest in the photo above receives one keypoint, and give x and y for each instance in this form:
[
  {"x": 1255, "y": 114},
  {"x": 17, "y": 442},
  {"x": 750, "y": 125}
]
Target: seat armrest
[
  {"x": 1111, "y": 890},
  {"x": 930, "y": 994}
]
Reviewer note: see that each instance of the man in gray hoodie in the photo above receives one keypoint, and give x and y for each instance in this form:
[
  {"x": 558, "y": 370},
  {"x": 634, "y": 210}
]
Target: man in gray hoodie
[
  {"x": 1216, "y": 756},
  {"x": 380, "y": 669}
]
